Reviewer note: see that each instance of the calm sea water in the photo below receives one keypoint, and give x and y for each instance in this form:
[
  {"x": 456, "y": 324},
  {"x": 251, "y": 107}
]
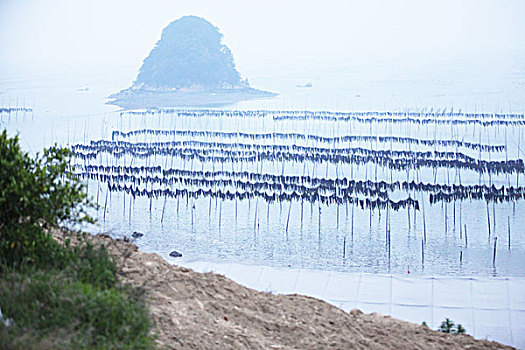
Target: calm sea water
[{"x": 69, "y": 107}]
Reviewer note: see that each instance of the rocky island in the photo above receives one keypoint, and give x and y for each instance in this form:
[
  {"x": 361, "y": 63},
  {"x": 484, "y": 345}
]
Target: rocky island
[{"x": 188, "y": 67}]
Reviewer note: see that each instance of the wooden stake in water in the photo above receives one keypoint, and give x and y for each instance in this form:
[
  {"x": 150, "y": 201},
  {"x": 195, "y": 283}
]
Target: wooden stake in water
[
  {"x": 192, "y": 210},
  {"x": 424, "y": 219},
  {"x": 319, "y": 220},
  {"x": 255, "y": 216},
  {"x": 386, "y": 226},
  {"x": 106, "y": 204},
  {"x": 344, "y": 247},
  {"x": 352, "y": 229},
  {"x": 302, "y": 202},
  {"x": 220, "y": 216},
  {"x": 454, "y": 218},
  {"x": 164, "y": 208},
  {"x": 422, "y": 253},
  {"x": 446, "y": 219},
  {"x": 370, "y": 220},
  {"x": 209, "y": 213},
  {"x": 337, "y": 225},
  {"x": 408, "y": 219},
  {"x": 494, "y": 254},
  {"x": 488, "y": 218},
  {"x": 508, "y": 229},
  {"x": 415, "y": 217},
  {"x": 460, "y": 223},
  {"x": 130, "y": 197},
  {"x": 466, "y": 237},
  {"x": 268, "y": 214},
  {"x": 288, "y": 218},
  {"x": 98, "y": 192},
  {"x": 494, "y": 218}
]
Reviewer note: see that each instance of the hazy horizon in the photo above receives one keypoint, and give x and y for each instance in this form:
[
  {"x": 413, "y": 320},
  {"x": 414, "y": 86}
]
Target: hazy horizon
[
  {"x": 373, "y": 54},
  {"x": 38, "y": 35}
]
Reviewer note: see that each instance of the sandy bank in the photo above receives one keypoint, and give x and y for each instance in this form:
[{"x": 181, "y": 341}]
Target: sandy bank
[{"x": 207, "y": 311}]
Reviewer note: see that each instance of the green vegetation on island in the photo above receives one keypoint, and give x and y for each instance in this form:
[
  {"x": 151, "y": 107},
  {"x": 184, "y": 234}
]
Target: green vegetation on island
[
  {"x": 189, "y": 54},
  {"x": 189, "y": 66}
]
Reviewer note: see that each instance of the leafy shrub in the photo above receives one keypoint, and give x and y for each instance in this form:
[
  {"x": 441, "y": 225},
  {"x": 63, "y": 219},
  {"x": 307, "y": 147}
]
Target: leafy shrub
[
  {"x": 35, "y": 194},
  {"x": 93, "y": 265},
  {"x": 55, "y": 296},
  {"x": 448, "y": 326},
  {"x": 53, "y": 302},
  {"x": 80, "y": 306}
]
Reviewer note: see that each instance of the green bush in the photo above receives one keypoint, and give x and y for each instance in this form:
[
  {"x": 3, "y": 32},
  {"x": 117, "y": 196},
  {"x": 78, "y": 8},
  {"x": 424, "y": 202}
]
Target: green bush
[
  {"x": 448, "y": 326},
  {"x": 58, "y": 297},
  {"x": 54, "y": 302},
  {"x": 36, "y": 194},
  {"x": 94, "y": 266}
]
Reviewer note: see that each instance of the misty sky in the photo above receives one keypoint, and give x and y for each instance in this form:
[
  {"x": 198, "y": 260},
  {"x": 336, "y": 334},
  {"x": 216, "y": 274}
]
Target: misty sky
[{"x": 36, "y": 33}]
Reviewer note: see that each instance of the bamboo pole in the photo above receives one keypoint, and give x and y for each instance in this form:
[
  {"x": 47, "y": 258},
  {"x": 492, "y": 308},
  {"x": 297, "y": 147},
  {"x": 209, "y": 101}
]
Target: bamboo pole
[
  {"x": 319, "y": 234},
  {"x": 352, "y": 229},
  {"x": 192, "y": 210},
  {"x": 494, "y": 254},
  {"x": 408, "y": 219},
  {"x": 209, "y": 212},
  {"x": 98, "y": 192},
  {"x": 460, "y": 223},
  {"x": 268, "y": 215},
  {"x": 105, "y": 204},
  {"x": 337, "y": 220},
  {"x": 422, "y": 253},
  {"x": 302, "y": 202},
  {"x": 255, "y": 216},
  {"x": 488, "y": 219},
  {"x": 424, "y": 219},
  {"x": 288, "y": 218},
  {"x": 454, "y": 217},
  {"x": 446, "y": 218},
  {"x": 494, "y": 218},
  {"x": 220, "y": 215},
  {"x": 130, "y": 198},
  {"x": 164, "y": 208},
  {"x": 508, "y": 229}
]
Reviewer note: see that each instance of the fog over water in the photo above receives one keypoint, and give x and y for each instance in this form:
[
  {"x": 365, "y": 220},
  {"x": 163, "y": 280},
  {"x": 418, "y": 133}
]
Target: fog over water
[
  {"x": 64, "y": 58},
  {"x": 472, "y": 46}
]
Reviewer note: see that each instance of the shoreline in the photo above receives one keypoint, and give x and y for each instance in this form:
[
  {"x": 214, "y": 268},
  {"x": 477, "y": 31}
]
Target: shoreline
[
  {"x": 206, "y": 310},
  {"x": 145, "y": 99},
  {"x": 465, "y": 299}
]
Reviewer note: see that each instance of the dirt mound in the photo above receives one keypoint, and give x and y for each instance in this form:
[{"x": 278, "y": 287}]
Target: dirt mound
[{"x": 207, "y": 311}]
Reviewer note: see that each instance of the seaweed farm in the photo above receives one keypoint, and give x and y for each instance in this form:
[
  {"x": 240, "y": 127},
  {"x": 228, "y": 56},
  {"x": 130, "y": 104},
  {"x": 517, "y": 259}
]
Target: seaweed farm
[{"x": 423, "y": 192}]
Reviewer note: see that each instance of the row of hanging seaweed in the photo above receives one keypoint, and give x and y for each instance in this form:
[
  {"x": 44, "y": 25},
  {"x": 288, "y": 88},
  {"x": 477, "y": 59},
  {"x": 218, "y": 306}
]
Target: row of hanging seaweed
[
  {"x": 308, "y": 188},
  {"x": 139, "y": 162},
  {"x": 9, "y": 110},
  {"x": 233, "y": 152},
  {"x": 116, "y": 135},
  {"x": 297, "y": 114}
]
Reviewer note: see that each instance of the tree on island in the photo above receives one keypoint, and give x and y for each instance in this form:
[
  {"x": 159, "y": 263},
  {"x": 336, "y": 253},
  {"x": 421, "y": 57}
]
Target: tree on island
[{"x": 190, "y": 54}]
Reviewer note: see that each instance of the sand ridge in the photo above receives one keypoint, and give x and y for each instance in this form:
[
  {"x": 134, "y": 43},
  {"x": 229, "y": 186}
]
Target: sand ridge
[{"x": 194, "y": 310}]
